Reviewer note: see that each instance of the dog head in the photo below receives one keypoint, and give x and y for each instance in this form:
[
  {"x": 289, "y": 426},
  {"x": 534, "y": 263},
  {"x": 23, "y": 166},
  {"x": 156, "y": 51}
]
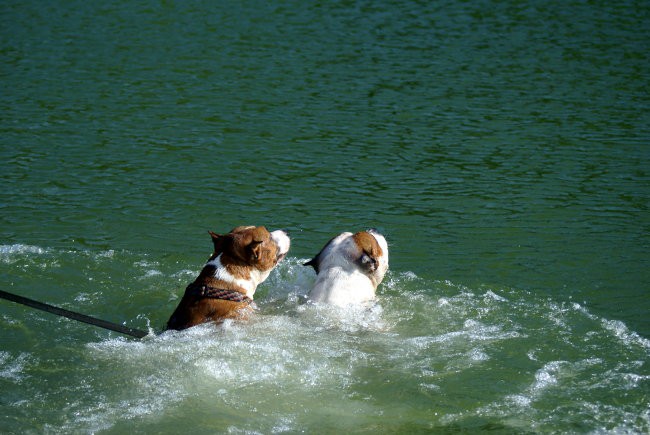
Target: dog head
[
  {"x": 252, "y": 246},
  {"x": 246, "y": 255},
  {"x": 365, "y": 252}
]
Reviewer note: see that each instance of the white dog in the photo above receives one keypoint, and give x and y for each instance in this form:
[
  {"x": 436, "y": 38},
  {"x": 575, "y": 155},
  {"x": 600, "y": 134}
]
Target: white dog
[{"x": 349, "y": 268}]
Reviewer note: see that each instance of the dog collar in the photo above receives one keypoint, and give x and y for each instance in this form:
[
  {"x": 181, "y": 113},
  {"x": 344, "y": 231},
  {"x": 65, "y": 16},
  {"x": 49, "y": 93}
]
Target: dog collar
[{"x": 206, "y": 291}]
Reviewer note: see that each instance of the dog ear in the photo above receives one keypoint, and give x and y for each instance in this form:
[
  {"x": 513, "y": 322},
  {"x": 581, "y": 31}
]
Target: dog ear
[
  {"x": 313, "y": 263},
  {"x": 255, "y": 249},
  {"x": 217, "y": 241}
]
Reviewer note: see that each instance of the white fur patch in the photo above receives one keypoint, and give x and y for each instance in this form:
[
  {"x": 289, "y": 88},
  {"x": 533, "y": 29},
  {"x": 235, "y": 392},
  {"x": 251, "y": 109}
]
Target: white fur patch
[
  {"x": 281, "y": 240},
  {"x": 222, "y": 274},
  {"x": 341, "y": 286}
]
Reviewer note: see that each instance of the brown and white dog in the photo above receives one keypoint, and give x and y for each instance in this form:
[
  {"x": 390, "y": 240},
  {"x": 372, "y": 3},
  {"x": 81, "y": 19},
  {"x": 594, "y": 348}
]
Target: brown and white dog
[
  {"x": 224, "y": 289},
  {"x": 349, "y": 268}
]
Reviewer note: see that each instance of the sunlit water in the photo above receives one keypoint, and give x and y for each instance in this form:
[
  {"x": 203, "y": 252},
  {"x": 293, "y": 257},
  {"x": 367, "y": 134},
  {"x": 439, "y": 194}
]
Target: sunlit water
[{"x": 501, "y": 147}]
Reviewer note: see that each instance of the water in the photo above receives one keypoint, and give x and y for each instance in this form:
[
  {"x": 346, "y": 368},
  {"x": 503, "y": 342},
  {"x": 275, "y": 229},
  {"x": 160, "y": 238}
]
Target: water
[{"x": 502, "y": 147}]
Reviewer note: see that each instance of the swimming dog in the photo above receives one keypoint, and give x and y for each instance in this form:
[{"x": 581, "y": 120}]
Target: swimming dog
[
  {"x": 349, "y": 268},
  {"x": 224, "y": 289}
]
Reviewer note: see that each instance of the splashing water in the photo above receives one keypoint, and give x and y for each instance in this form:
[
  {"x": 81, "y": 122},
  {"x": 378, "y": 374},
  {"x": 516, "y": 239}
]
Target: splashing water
[{"x": 426, "y": 355}]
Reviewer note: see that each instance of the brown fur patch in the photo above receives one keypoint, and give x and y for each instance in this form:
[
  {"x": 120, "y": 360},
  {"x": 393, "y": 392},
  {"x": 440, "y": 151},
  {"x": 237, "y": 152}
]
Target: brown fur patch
[
  {"x": 244, "y": 247},
  {"x": 193, "y": 311},
  {"x": 368, "y": 244}
]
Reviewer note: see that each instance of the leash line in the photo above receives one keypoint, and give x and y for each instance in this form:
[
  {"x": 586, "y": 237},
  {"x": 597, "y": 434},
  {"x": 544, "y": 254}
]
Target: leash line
[{"x": 137, "y": 333}]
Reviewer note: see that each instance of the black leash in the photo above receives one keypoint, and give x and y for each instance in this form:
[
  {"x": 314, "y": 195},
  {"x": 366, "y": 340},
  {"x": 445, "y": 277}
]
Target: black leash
[{"x": 137, "y": 333}]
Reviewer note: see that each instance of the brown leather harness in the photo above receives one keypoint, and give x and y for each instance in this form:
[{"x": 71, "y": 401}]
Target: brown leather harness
[{"x": 206, "y": 291}]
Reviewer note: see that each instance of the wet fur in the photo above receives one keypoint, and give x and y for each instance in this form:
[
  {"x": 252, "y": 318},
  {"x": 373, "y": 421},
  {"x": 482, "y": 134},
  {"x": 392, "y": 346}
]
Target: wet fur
[{"x": 242, "y": 259}]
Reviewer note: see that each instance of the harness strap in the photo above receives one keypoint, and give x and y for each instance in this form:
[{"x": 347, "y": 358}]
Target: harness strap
[{"x": 206, "y": 291}]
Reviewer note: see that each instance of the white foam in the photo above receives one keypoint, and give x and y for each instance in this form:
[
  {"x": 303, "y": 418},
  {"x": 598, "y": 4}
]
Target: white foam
[
  {"x": 621, "y": 331},
  {"x": 352, "y": 318},
  {"x": 478, "y": 355},
  {"x": 146, "y": 264},
  {"x": 519, "y": 400},
  {"x": 21, "y": 249},
  {"x": 152, "y": 273},
  {"x": 11, "y": 253},
  {"x": 86, "y": 297},
  {"x": 109, "y": 253},
  {"x": 547, "y": 376},
  {"x": 185, "y": 274},
  {"x": 495, "y": 297},
  {"x": 12, "y": 367}
]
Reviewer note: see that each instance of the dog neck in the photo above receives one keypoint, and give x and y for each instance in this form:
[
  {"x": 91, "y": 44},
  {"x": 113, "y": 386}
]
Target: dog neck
[
  {"x": 206, "y": 291},
  {"x": 231, "y": 276}
]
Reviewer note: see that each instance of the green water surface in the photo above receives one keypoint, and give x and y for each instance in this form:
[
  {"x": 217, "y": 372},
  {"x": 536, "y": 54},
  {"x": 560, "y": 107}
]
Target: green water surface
[{"x": 501, "y": 146}]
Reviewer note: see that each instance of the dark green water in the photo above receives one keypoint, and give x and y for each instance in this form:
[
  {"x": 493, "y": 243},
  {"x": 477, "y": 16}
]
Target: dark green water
[{"x": 501, "y": 146}]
